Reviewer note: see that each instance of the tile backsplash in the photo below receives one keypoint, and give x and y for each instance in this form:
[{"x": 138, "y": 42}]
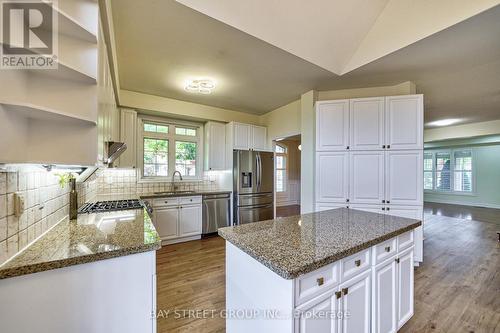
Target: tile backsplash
[
  {"x": 123, "y": 181},
  {"x": 45, "y": 204}
]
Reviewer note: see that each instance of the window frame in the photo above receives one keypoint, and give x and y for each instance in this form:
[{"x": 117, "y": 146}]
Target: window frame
[
  {"x": 452, "y": 190},
  {"x": 285, "y": 156},
  {"x": 172, "y": 138}
]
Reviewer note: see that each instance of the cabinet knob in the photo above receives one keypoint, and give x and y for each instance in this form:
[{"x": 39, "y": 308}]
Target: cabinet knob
[
  {"x": 397, "y": 260},
  {"x": 388, "y": 208},
  {"x": 338, "y": 294},
  {"x": 346, "y": 200},
  {"x": 383, "y": 201},
  {"x": 345, "y": 291},
  {"x": 357, "y": 263},
  {"x": 388, "y": 146},
  {"x": 320, "y": 281},
  {"x": 166, "y": 201},
  {"x": 190, "y": 199},
  {"x": 347, "y": 147},
  {"x": 383, "y": 208},
  {"x": 387, "y": 249},
  {"x": 388, "y": 201},
  {"x": 383, "y": 146}
]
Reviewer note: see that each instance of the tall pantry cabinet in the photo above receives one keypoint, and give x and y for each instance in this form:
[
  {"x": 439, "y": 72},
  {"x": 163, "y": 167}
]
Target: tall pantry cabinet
[{"x": 369, "y": 156}]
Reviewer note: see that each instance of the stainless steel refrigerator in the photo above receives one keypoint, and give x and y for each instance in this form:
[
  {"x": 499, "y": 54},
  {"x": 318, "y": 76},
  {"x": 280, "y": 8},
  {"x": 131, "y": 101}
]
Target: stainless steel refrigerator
[{"x": 253, "y": 182}]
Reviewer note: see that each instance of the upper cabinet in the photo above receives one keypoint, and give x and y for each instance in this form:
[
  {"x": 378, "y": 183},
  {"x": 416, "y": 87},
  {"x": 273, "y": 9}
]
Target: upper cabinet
[
  {"x": 378, "y": 123},
  {"x": 332, "y": 125},
  {"x": 404, "y": 118},
  {"x": 366, "y": 125},
  {"x": 215, "y": 144},
  {"x": 246, "y": 137},
  {"x": 128, "y": 135}
]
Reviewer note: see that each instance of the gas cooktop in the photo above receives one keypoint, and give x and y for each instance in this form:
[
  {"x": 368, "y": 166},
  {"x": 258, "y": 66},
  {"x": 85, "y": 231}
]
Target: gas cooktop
[{"x": 110, "y": 206}]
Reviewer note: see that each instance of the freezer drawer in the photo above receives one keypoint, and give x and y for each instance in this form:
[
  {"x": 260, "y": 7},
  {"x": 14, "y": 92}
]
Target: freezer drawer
[
  {"x": 250, "y": 214},
  {"x": 255, "y": 199}
]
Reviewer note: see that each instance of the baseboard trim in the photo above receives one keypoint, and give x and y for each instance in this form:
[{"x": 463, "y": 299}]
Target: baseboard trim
[{"x": 453, "y": 202}]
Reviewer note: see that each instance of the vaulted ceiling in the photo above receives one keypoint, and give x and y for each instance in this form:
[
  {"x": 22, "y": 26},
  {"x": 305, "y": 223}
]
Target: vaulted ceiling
[{"x": 264, "y": 54}]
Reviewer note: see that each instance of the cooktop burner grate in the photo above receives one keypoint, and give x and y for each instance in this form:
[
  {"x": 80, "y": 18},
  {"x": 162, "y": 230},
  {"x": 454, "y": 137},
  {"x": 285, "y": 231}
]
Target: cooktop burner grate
[{"x": 109, "y": 206}]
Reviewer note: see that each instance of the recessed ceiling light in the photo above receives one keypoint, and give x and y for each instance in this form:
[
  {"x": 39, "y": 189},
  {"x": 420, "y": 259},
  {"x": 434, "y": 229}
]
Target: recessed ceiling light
[
  {"x": 444, "y": 122},
  {"x": 200, "y": 86}
]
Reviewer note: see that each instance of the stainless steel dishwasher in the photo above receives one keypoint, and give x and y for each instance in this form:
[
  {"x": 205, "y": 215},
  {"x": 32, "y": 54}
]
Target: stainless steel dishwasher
[{"x": 216, "y": 212}]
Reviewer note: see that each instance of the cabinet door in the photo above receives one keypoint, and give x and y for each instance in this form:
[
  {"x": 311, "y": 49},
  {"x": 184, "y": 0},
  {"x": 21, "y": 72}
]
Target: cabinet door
[
  {"x": 259, "y": 138},
  {"x": 128, "y": 130},
  {"x": 384, "y": 298},
  {"x": 332, "y": 125},
  {"x": 314, "y": 316},
  {"x": 189, "y": 220},
  {"x": 367, "y": 123},
  {"x": 366, "y": 174},
  {"x": 404, "y": 177},
  {"x": 166, "y": 222},
  {"x": 404, "y": 117},
  {"x": 405, "y": 287},
  {"x": 356, "y": 296},
  {"x": 332, "y": 177},
  {"x": 215, "y": 146},
  {"x": 241, "y": 136}
]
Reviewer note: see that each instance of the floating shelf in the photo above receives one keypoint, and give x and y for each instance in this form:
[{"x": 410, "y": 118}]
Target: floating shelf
[
  {"x": 66, "y": 72},
  {"x": 31, "y": 111}
]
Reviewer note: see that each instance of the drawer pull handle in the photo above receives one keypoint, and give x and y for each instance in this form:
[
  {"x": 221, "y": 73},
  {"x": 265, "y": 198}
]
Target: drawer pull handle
[
  {"x": 338, "y": 294},
  {"x": 166, "y": 201},
  {"x": 387, "y": 249},
  {"x": 320, "y": 281},
  {"x": 397, "y": 260},
  {"x": 357, "y": 263},
  {"x": 345, "y": 291}
]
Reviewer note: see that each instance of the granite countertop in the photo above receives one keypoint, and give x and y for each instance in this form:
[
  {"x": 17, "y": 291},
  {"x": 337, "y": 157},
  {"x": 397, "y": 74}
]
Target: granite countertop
[
  {"x": 91, "y": 237},
  {"x": 296, "y": 245},
  {"x": 168, "y": 194}
]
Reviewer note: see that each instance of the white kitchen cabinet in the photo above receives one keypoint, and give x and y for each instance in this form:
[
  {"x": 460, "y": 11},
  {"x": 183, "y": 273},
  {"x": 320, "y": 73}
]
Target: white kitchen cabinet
[
  {"x": 178, "y": 219},
  {"x": 356, "y": 300},
  {"x": 366, "y": 177},
  {"x": 367, "y": 123},
  {"x": 332, "y": 125},
  {"x": 215, "y": 146},
  {"x": 166, "y": 222},
  {"x": 404, "y": 119},
  {"x": 332, "y": 177},
  {"x": 309, "y": 323},
  {"x": 242, "y": 134},
  {"x": 246, "y": 137},
  {"x": 128, "y": 135},
  {"x": 404, "y": 177},
  {"x": 384, "y": 297},
  {"x": 259, "y": 138},
  {"x": 405, "y": 280},
  {"x": 190, "y": 220}
]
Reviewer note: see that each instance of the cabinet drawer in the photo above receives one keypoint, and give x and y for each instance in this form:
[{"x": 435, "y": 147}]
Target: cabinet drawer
[
  {"x": 354, "y": 264},
  {"x": 405, "y": 240},
  {"x": 384, "y": 250},
  {"x": 189, "y": 200},
  {"x": 165, "y": 202},
  {"x": 314, "y": 283}
]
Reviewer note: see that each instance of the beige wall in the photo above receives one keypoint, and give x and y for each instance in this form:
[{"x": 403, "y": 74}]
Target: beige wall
[
  {"x": 462, "y": 131},
  {"x": 180, "y": 109},
  {"x": 282, "y": 122},
  {"x": 405, "y": 88},
  {"x": 308, "y": 137}
]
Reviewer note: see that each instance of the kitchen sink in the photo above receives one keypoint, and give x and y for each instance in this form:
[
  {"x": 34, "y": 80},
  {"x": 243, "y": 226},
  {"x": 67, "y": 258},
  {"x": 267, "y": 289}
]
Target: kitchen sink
[{"x": 174, "y": 192}]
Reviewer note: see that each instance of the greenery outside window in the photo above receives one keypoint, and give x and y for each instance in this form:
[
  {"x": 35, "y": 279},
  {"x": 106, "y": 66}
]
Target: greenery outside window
[{"x": 166, "y": 147}]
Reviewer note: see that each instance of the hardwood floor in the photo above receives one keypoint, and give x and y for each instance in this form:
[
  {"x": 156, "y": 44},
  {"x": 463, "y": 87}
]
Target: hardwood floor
[
  {"x": 457, "y": 288},
  {"x": 463, "y": 212},
  {"x": 284, "y": 211}
]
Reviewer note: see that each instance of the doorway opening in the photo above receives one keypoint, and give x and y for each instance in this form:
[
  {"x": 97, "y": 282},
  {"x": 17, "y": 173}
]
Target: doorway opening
[{"x": 287, "y": 175}]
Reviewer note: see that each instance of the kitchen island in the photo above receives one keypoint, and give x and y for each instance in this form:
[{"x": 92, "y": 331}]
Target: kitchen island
[{"x": 339, "y": 270}]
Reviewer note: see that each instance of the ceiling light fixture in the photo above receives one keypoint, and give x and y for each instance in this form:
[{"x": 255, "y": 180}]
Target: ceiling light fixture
[
  {"x": 444, "y": 122},
  {"x": 200, "y": 86}
]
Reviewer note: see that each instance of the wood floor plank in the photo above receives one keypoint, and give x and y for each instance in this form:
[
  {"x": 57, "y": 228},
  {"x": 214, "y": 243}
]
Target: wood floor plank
[{"x": 457, "y": 288}]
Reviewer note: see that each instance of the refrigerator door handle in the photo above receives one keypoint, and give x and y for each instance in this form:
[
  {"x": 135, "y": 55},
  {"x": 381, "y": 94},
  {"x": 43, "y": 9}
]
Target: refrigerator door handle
[{"x": 260, "y": 169}]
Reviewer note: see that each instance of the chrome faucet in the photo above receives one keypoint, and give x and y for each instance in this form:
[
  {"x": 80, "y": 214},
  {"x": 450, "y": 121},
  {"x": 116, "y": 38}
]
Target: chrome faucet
[{"x": 173, "y": 178}]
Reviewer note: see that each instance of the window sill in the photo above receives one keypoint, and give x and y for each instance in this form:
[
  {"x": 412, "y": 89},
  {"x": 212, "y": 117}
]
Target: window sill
[{"x": 467, "y": 194}]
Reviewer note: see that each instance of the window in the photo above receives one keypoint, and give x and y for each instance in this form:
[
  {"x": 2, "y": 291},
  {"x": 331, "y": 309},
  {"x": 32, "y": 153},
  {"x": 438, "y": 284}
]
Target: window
[
  {"x": 428, "y": 172},
  {"x": 449, "y": 170},
  {"x": 169, "y": 147},
  {"x": 462, "y": 171},
  {"x": 281, "y": 163}
]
